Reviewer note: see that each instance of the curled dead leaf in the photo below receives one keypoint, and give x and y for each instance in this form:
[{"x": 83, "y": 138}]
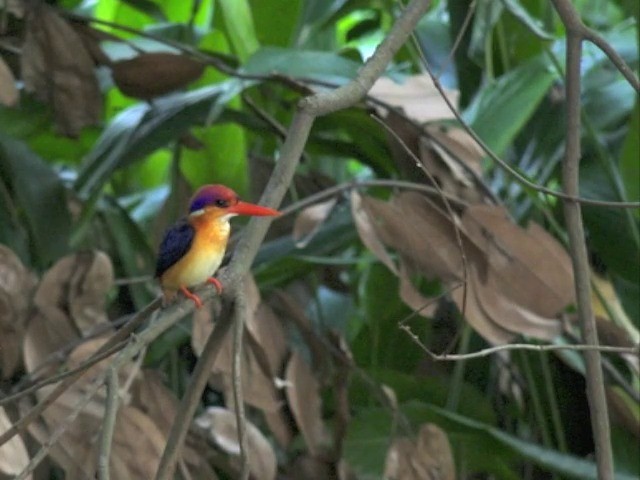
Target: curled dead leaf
[
  {"x": 303, "y": 395},
  {"x": 76, "y": 286},
  {"x": 8, "y": 90},
  {"x": 59, "y": 70},
  {"x": 417, "y": 96},
  {"x": 309, "y": 221},
  {"x": 258, "y": 379},
  {"x": 367, "y": 231},
  {"x": 428, "y": 457},
  {"x": 150, "y": 75},
  {"x": 220, "y": 425},
  {"x": 16, "y": 284}
]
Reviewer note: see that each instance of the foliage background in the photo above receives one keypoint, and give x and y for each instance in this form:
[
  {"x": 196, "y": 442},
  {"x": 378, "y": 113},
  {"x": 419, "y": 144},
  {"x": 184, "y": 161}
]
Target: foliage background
[{"x": 109, "y": 171}]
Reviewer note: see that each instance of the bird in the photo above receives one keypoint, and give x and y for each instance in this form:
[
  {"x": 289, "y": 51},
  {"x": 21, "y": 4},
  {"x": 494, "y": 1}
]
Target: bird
[{"x": 192, "y": 249}]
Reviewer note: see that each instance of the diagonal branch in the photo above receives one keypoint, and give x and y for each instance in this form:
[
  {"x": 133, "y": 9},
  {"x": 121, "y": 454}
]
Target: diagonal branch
[
  {"x": 577, "y": 247},
  {"x": 307, "y": 111}
]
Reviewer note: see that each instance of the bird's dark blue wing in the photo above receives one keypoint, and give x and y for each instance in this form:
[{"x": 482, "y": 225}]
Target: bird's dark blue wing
[{"x": 175, "y": 244}]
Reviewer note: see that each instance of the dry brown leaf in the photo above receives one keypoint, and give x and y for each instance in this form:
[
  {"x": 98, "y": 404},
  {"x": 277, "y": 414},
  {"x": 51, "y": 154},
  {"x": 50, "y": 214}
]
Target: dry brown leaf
[
  {"x": 421, "y": 232},
  {"x": 427, "y": 458},
  {"x": 8, "y": 90},
  {"x": 450, "y": 163},
  {"x": 76, "y": 285},
  {"x": 150, "y": 75},
  {"x": 417, "y": 96},
  {"x": 367, "y": 231},
  {"x": 303, "y": 395},
  {"x": 258, "y": 380},
  {"x": 220, "y": 424},
  {"x": 308, "y": 467},
  {"x": 475, "y": 314},
  {"x": 531, "y": 268},
  {"x": 412, "y": 297},
  {"x": 16, "y": 284},
  {"x": 153, "y": 398},
  {"x": 458, "y": 143},
  {"x": 281, "y": 427},
  {"x": 13, "y": 454},
  {"x": 59, "y": 70},
  {"x": 45, "y": 335},
  {"x": 510, "y": 315},
  {"x": 309, "y": 221},
  {"x": 137, "y": 443}
]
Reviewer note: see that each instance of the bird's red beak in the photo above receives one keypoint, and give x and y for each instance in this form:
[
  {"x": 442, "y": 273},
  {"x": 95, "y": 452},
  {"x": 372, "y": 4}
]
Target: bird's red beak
[{"x": 244, "y": 208}]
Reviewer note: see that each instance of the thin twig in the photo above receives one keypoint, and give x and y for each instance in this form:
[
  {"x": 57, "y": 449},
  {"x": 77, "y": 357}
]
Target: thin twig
[
  {"x": 91, "y": 361},
  {"x": 577, "y": 248},
  {"x": 308, "y": 109},
  {"x": 108, "y": 424},
  {"x": 360, "y": 184},
  {"x": 530, "y": 346},
  {"x": 240, "y": 313}
]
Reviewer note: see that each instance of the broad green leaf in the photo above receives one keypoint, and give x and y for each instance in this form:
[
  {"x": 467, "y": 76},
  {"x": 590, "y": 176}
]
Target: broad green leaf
[
  {"x": 371, "y": 432},
  {"x": 142, "y": 129},
  {"x": 130, "y": 247},
  {"x": 603, "y": 224},
  {"x": 315, "y": 14},
  {"x": 473, "y": 403},
  {"x": 117, "y": 12},
  {"x": 148, "y": 7},
  {"x": 501, "y": 109},
  {"x": 486, "y": 15},
  {"x": 39, "y": 198},
  {"x": 301, "y": 63},
  {"x": 238, "y": 23},
  {"x": 515, "y": 8},
  {"x": 550, "y": 460},
  {"x": 629, "y": 162},
  {"x": 275, "y": 20},
  {"x": 368, "y": 438},
  {"x": 222, "y": 159}
]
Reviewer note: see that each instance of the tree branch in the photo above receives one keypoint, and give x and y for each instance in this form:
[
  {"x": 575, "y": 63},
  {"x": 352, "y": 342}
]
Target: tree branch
[
  {"x": 308, "y": 109},
  {"x": 577, "y": 247}
]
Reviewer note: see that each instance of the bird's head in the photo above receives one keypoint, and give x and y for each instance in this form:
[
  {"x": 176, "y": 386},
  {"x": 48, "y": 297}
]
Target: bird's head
[{"x": 221, "y": 201}]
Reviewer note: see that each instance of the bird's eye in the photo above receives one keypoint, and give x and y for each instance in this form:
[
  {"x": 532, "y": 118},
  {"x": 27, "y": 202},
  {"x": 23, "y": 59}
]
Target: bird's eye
[{"x": 221, "y": 203}]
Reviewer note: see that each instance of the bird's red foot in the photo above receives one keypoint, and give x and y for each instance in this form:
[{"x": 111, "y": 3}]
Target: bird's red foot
[
  {"x": 216, "y": 283},
  {"x": 191, "y": 296}
]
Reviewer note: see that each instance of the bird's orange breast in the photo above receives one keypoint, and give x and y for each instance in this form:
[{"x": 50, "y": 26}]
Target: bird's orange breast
[{"x": 203, "y": 258}]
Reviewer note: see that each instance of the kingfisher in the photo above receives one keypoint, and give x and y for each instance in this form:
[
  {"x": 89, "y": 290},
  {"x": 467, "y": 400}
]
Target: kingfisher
[{"x": 193, "y": 248}]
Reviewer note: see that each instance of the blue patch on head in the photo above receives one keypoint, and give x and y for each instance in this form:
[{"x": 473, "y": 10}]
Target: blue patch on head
[
  {"x": 210, "y": 195},
  {"x": 201, "y": 201}
]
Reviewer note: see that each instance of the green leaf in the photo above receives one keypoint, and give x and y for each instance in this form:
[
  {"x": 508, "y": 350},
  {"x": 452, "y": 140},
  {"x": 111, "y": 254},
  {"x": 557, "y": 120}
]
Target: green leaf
[
  {"x": 629, "y": 164},
  {"x": 603, "y": 224},
  {"x": 502, "y": 108},
  {"x": 238, "y": 23},
  {"x": 302, "y": 63},
  {"x": 275, "y": 20},
  {"x": 552, "y": 460},
  {"x": 515, "y": 8},
  {"x": 39, "y": 199},
  {"x": 142, "y": 129},
  {"x": 367, "y": 441},
  {"x": 130, "y": 246},
  {"x": 486, "y": 16}
]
